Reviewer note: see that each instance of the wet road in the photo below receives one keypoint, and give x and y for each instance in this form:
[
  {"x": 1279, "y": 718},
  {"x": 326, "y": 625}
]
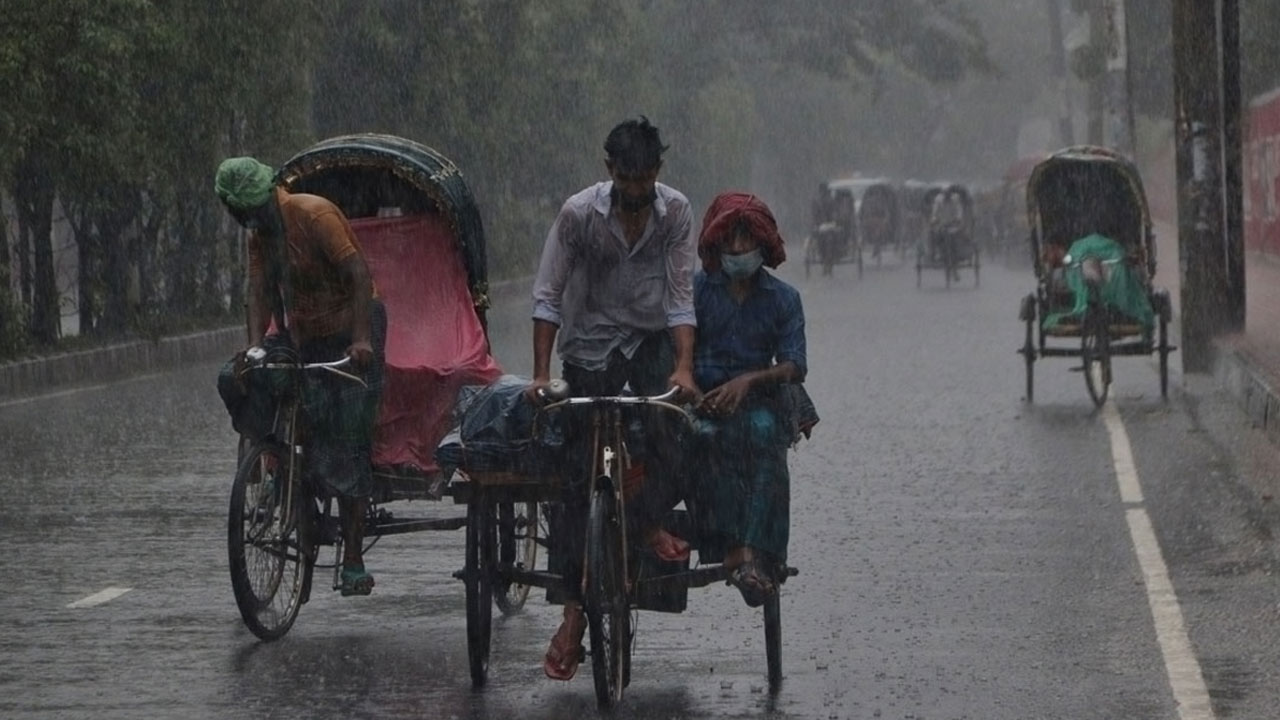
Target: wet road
[{"x": 962, "y": 555}]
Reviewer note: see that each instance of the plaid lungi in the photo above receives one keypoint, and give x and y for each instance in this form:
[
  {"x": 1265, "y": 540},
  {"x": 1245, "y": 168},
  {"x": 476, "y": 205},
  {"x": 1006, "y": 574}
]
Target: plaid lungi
[
  {"x": 340, "y": 414},
  {"x": 743, "y": 492}
]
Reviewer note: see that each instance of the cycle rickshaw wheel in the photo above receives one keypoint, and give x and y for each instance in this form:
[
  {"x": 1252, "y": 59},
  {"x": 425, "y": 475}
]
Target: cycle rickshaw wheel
[
  {"x": 949, "y": 259},
  {"x": 478, "y": 575},
  {"x": 1095, "y": 351},
  {"x": 607, "y": 605},
  {"x": 517, "y": 547},
  {"x": 269, "y": 574}
]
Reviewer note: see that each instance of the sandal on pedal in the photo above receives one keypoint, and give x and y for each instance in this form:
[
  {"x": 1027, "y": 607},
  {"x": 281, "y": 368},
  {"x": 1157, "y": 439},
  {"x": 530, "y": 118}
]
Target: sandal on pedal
[
  {"x": 753, "y": 581},
  {"x": 562, "y": 658},
  {"x": 356, "y": 581}
]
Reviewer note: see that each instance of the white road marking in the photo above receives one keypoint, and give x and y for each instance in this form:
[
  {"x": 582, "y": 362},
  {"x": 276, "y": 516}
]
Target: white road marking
[
  {"x": 1185, "y": 675},
  {"x": 1122, "y": 456},
  {"x": 99, "y": 598}
]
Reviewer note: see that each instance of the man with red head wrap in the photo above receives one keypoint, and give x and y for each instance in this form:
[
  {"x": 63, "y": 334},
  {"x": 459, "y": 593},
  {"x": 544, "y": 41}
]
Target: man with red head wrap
[{"x": 750, "y": 358}]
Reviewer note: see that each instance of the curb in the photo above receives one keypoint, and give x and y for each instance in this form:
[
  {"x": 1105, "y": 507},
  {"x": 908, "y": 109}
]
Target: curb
[
  {"x": 116, "y": 362},
  {"x": 1252, "y": 389},
  {"x": 37, "y": 376}
]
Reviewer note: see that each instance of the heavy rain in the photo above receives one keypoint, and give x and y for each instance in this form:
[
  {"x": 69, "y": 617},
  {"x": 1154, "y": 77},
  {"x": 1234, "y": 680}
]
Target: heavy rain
[{"x": 333, "y": 332}]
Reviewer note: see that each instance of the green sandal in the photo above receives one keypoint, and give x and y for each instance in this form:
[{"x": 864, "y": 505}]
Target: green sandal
[{"x": 356, "y": 581}]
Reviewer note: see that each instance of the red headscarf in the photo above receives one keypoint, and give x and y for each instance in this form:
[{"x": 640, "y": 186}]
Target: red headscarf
[{"x": 723, "y": 216}]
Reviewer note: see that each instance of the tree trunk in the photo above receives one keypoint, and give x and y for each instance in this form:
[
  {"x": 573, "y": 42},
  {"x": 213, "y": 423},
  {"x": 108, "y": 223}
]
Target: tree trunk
[
  {"x": 24, "y": 259},
  {"x": 6, "y": 272},
  {"x": 87, "y": 271},
  {"x": 118, "y": 208},
  {"x": 33, "y": 193}
]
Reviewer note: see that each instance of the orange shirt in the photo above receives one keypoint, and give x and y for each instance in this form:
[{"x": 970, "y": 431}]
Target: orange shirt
[{"x": 318, "y": 239}]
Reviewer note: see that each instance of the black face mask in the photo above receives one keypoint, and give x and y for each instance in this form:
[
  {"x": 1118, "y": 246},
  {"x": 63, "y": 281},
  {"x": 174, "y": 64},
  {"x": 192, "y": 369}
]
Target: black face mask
[{"x": 630, "y": 203}]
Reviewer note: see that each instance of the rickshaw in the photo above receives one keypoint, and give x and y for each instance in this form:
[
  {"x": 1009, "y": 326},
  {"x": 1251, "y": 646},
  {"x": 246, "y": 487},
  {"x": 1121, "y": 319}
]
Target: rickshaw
[
  {"x": 1094, "y": 255},
  {"x": 422, "y": 238},
  {"x": 421, "y": 235},
  {"x": 878, "y": 215},
  {"x": 620, "y": 575},
  {"x": 834, "y": 239},
  {"x": 949, "y": 243}
]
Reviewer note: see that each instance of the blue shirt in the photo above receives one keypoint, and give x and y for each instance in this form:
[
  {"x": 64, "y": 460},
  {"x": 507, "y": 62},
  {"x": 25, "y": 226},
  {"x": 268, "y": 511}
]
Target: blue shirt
[
  {"x": 606, "y": 296},
  {"x": 766, "y": 329}
]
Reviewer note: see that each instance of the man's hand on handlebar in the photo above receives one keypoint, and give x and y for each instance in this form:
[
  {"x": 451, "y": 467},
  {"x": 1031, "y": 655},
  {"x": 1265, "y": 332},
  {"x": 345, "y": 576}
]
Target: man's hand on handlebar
[
  {"x": 361, "y": 354},
  {"x": 535, "y": 392},
  {"x": 689, "y": 391}
]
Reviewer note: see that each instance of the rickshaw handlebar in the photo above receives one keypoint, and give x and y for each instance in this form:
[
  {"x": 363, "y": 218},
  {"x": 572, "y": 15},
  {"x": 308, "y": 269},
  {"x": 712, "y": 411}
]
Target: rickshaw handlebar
[
  {"x": 559, "y": 388},
  {"x": 333, "y": 366}
]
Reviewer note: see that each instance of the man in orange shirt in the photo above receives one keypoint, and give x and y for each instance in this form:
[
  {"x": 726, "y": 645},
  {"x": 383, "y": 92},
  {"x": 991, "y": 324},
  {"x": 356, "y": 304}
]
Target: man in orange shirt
[{"x": 306, "y": 270}]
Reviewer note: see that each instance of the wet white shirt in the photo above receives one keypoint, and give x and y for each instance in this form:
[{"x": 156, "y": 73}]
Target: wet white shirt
[{"x": 604, "y": 295}]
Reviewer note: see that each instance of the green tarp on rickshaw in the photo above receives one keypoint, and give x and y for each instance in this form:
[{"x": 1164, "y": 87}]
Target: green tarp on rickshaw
[{"x": 1122, "y": 290}]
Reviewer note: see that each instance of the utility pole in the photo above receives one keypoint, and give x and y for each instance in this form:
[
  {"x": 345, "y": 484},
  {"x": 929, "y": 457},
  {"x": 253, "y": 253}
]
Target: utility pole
[
  {"x": 1203, "y": 246},
  {"x": 1118, "y": 129},
  {"x": 1232, "y": 164},
  {"x": 1097, "y": 76},
  {"x": 1066, "y": 129}
]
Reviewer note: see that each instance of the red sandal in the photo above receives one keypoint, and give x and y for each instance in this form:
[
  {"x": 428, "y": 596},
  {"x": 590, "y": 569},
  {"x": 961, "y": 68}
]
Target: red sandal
[{"x": 561, "y": 663}]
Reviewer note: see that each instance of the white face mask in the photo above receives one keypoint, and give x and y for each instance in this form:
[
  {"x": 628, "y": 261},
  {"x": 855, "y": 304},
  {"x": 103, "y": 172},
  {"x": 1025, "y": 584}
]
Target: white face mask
[{"x": 741, "y": 267}]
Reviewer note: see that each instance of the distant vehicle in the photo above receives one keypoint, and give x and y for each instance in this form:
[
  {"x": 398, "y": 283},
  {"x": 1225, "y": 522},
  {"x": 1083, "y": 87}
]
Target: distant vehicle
[
  {"x": 877, "y": 212},
  {"x": 1094, "y": 256},
  {"x": 851, "y": 216},
  {"x": 833, "y": 239},
  {"x": 948, "y": 244}
]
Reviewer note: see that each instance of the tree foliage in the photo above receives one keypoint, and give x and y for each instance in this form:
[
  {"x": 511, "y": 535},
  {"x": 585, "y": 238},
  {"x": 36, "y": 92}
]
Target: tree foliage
[{"x": 114, "y": 114}]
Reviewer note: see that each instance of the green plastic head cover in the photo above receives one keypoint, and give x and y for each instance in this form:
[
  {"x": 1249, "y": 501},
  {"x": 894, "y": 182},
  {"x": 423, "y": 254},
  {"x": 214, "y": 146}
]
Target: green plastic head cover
[{"x": 244, "y": 183}]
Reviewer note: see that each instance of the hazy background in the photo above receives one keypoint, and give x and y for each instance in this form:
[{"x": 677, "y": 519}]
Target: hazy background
[{"x": 115, "y": 113}]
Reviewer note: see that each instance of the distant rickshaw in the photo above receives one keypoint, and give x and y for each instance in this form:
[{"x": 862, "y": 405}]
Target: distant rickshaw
[
  {"x": 1095, "y": 260},
  {"x": 949, "y": 243},
  {"x": 877, "y": 213},
  {"x": 833, "y": 239}
]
